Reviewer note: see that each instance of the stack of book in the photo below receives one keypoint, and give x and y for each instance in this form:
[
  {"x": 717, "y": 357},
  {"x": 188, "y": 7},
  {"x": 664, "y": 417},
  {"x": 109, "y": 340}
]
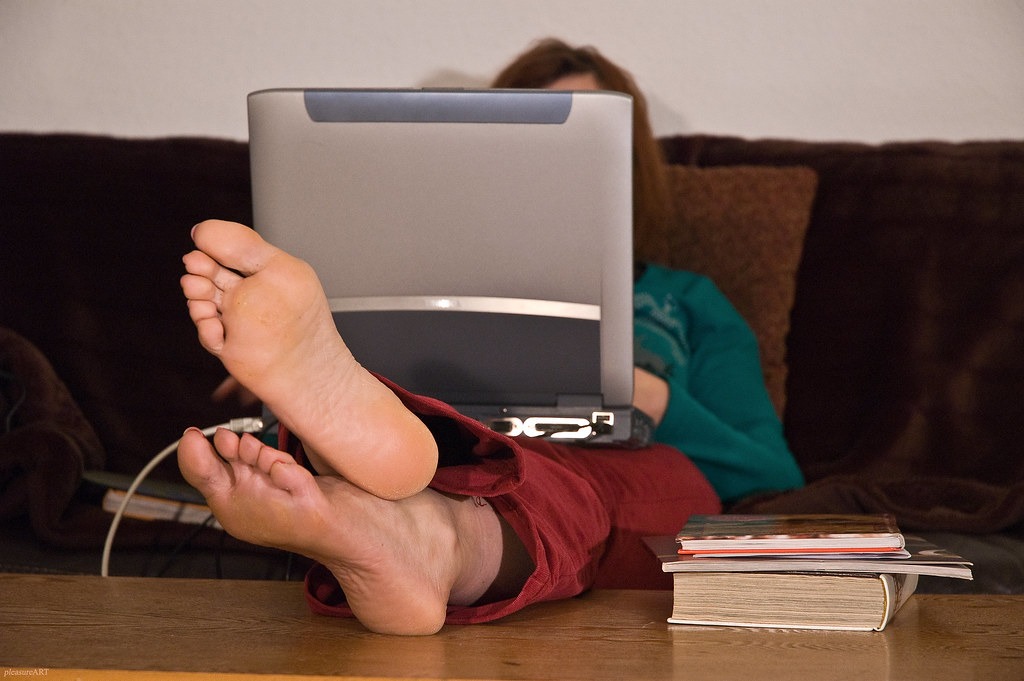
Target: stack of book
[{"x": 797, "y": 571}]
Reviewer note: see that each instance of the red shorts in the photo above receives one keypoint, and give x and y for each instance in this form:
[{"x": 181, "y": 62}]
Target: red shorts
[{"x": 580, "y": 512}]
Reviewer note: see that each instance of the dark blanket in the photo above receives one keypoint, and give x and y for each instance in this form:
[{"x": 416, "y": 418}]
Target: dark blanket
[
  {"x": 45, "y": 441},
  {"x": 45, "y": 445},
  {"x": 906, "y": 350}
]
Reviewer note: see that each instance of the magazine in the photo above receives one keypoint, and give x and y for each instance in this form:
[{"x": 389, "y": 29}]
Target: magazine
[
  {"x": 796, "y": 534},
  {"x": 924, "y": 558}
]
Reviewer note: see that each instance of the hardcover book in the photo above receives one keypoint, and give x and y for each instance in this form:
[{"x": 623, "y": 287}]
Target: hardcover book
[
  {"x": 806, "y": 571},
  {"x": 790, "y": 600}
]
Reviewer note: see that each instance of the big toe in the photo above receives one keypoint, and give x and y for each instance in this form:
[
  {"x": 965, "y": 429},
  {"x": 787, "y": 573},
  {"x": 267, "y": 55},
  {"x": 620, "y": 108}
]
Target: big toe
[
  {"x": 200, "y": 464},
  {"x": 233, "y": 245}
]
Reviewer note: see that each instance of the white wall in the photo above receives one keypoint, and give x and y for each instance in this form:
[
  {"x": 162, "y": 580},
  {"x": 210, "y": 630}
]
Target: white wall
[{"x": 868, "y": 70}]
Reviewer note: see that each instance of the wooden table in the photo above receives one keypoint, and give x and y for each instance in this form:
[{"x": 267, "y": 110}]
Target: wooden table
[{"x": 71, "y": 627}]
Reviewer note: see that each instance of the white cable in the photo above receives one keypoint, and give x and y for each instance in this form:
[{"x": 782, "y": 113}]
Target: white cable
[{"x": 249, "y": 424}]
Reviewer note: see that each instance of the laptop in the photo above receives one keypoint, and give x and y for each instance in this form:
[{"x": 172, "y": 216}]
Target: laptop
[{"x": 475, "y": 245}]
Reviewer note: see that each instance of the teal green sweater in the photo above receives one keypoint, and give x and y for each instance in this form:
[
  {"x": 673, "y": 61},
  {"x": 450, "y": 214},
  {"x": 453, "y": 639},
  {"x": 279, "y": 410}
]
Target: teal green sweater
[{"x": 719, "y": 413}]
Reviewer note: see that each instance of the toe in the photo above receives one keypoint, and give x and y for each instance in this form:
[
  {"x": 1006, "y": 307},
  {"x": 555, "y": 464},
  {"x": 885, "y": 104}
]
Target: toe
[
  {"x": 227, "y": 444},
  {"x": 288, "y": 475},
  {"x": 199, "y": 310},
  {"x": 201, "y": 466},
  {"x": 233, "y": 245},
  {"x": 249, "y": 450},
  {"x": 267, "y": 457},
  {"x": 211, "y": 334},
  {"x": 199, "y": 264},
  {"x": 196, "y": 287}
]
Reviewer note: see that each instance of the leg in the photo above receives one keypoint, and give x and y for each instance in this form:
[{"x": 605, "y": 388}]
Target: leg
[
  {"x": 264, "y": 315},
  {"x": 260, "y": 495},
  {"x": 578, "y": 514},
  {"x": 570, "y": 518}
]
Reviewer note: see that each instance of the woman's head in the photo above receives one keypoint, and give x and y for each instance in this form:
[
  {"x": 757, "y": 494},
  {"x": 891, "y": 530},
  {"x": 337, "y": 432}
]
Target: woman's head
[
  {"x": 550, "y": 60},
  {"x": 553, "y": 63}
]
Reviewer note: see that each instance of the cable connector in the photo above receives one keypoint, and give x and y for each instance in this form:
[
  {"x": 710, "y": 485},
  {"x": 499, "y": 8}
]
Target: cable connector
[{"x": 248, "y": 424}]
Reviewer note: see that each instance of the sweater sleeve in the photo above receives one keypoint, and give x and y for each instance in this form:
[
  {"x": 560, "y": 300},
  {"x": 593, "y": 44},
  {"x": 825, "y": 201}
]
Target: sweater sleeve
[{"x": 719, "y": 413}]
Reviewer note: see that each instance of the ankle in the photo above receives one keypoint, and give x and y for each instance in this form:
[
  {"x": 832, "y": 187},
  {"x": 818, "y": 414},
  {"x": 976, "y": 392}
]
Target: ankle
[{"x": 498, "y": 564}]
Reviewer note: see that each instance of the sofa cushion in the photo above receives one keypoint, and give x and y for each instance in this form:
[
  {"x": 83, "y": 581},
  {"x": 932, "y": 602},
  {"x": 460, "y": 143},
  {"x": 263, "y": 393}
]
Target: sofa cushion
[{"x": 743, "y": 227}]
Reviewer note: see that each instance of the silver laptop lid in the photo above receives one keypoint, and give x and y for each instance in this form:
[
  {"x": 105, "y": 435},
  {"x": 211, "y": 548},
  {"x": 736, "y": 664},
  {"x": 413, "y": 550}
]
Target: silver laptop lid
[{"x": 476, "y": 239}]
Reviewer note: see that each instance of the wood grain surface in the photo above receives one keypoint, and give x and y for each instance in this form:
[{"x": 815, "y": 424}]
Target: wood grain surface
[{"x": 85, "y": 627}]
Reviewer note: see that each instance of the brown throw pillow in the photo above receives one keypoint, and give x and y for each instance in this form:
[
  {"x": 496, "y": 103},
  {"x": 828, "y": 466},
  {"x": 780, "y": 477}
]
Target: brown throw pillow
[{"x": 743, "y": 227}]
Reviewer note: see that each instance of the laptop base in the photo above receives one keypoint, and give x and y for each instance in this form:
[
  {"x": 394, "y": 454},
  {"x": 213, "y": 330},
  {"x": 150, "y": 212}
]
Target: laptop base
[{"x": 619, "y": 427}]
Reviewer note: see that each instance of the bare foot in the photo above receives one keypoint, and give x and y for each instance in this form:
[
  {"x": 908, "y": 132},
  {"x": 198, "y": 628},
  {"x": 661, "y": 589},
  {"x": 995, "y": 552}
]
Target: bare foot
[
  {"x": 260, "y": 495},
  {"x": 264, "y": 314}
]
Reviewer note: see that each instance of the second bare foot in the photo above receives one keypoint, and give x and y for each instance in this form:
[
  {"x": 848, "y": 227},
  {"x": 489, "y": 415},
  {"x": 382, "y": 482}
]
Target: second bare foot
[{"x": 261, "y": 495}]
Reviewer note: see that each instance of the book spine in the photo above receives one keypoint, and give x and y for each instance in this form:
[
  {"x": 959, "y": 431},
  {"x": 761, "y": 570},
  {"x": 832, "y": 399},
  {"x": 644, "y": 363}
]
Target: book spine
[{"x": 898, "y": 590}]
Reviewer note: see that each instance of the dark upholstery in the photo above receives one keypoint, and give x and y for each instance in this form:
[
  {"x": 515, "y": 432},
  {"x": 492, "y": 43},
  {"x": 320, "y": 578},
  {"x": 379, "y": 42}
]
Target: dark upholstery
[
  {"x": 905, "y": 353},
  {"x": 92, "y": 231},
  {"x": 906, "y": 348}
]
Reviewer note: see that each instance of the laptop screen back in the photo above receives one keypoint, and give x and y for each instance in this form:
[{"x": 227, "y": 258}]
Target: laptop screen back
[{"x": 475, "y": 246}]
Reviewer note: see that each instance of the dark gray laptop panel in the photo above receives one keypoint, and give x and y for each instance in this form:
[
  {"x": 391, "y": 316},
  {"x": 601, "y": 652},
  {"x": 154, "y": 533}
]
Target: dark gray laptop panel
[{"x": 476, "y": 246}]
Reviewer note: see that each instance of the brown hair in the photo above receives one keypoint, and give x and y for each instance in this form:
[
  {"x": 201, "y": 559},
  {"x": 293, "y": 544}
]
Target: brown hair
[{"x": 551, "y": 59}]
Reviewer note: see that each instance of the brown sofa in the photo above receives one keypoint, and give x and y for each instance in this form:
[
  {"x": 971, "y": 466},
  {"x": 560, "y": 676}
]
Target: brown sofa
[{"x": 885, "y": 283}]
